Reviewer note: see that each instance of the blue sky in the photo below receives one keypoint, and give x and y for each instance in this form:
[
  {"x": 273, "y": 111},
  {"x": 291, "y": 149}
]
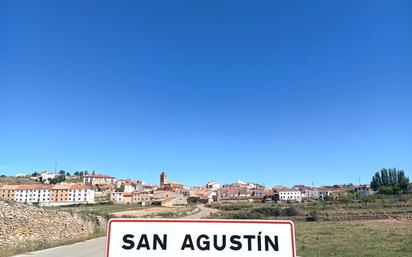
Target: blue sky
[{"x": 277, "y": 92}]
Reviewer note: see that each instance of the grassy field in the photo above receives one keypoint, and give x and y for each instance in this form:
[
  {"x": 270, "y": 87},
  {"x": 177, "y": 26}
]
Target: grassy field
[
  {"x": 323, "y": 211},
  {"x": 346, "y": 230},
  {"x": 386, "y": 238},
  {"x": 17, "y": 181}
]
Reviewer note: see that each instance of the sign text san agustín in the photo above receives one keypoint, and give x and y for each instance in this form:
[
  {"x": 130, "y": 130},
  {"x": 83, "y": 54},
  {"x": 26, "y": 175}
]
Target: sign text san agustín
[{"x": 197, "y": 238}]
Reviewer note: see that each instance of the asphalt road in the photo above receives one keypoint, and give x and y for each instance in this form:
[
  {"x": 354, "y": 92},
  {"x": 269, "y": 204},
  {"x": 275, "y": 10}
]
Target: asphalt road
[
  {"x": 91, "y": 248},
  {"x": 204, "y": 212},
  {"x": 94, "y": 247}
]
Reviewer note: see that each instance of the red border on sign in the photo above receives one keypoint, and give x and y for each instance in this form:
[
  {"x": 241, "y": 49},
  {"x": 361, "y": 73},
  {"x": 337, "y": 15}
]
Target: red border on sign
[{"x": 203, "y": 221}]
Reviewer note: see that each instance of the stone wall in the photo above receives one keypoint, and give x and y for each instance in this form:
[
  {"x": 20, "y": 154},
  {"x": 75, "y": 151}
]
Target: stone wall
[{"x": 22, "y": 225}]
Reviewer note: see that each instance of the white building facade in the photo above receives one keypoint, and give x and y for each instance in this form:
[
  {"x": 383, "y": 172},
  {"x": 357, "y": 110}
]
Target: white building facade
[
  {"x": 32, "y": 194},
  {"x": 290, "y": 195}
]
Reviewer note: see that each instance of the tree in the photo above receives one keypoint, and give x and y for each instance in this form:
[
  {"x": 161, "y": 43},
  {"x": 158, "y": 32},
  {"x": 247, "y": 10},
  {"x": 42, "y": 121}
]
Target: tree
[
  {"x": 35, "y": 174},
  {"x": 405, "y": 198},
  {"x": 76, "y": 173},
  {"x": 62, "y": 172},
  {"x": 67, "y": 174},
  {"x": 93, "y": 173},
  {"x": 59, "y": 178},
  {"x": 390, "y": 181}
]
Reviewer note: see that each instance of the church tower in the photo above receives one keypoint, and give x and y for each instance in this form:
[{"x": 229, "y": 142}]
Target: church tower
[{"x": 163, "y": 178}]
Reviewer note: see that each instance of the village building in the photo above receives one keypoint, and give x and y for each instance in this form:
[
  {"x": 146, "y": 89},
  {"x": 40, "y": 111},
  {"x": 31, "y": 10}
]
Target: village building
[
  {"x": 142, "y": 198},
  {"x": 46, "y": 176},
  {"x": 258, "y": 193},
  {"x": 364, "y": 190},
  {"x": 165, "y": 202},
  {"x": 105, "y": 188},
  {"x": 127, "y": 186},
  {"x": 168, "y": 186},
  {"x": 139, "y": 186},
  {"x": 275, "y": 192},
  {"x": 213, "y": 185},
  {"x": 201, "y": 195},
  {"x": 101, "y": 197},
  {"x": 307, "y": 191},
  {"x": 176, "y": 198},
  {"x": 22, "y": 175},
  {"x": 34, "y": 193},
  {"x": 7, "y": 192},
  {"x": 127, "y": 198},
  {"x": 149, "y": 187},
  {"x": 339, "y": 193},
  {"x": 71, "y": 193},
  {"x": 334, "y": 193},
  {"x": 98, "y": 179},
  {"x": 116, "y": 197},
  {"x": 293, "y": 195},
  {"x": 48, "y": 195}
]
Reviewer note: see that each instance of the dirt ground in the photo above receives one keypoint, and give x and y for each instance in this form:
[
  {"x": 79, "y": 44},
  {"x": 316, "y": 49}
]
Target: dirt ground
[{"x": 145, "y": 212}]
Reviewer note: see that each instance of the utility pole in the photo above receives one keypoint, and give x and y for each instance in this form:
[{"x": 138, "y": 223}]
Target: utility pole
[
  {"x": 359, "y": 181},
  {"x": 55, "y": 168}
]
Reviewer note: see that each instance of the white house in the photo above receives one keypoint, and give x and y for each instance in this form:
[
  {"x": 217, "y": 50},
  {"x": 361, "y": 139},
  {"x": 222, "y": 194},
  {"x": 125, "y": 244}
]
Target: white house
[
  {"x": 139, "y": 185},
  {"x": 213, "y": 185},
  {"x": 21, "y": 175},
  {"x": 117, "y": 197},
  {"x": 80, "y": 194},
  {"x": 364, "y": 190},
  {"x": 325, "y": 192},
  {"x": 98, "y": 179},
  {"x": 129, "y": 188},
  {"x": 293, "y": 195},
  {"x": 32, "y": 193},
  {"x": 311, "y": 193},
  {"x": 45, "y": 176}
]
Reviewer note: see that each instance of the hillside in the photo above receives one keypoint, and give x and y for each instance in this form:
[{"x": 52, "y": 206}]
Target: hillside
[{"x": 16, "y": 180}]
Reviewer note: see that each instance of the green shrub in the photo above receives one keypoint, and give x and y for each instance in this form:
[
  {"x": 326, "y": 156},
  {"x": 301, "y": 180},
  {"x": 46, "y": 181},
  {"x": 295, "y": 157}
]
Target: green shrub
[
  {"x": 247, "y": 216},
  {"x": 232, "y": 207},
  {"x": 311, "y": 218},
  {"x": 267, "y": 211},
  {"x": 290, "y": 211}
]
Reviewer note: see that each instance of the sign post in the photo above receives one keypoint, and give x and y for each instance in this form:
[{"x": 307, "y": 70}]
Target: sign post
[{"x": 200, "y": 238}]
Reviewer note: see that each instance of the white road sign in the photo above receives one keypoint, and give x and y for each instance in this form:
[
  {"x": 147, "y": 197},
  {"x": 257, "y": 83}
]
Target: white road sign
[{"x": 200, "y": 238}]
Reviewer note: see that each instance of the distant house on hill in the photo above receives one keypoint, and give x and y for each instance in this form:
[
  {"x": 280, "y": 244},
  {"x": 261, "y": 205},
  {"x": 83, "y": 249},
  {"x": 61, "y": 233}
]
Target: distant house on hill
[
  {"x": 293, "y": 195},
  {"x": 364, "y": 190},
  {"x": 98, "y": 179},
  {"x": 21, "y": 175},
  {"x": 47, "y": 176},
  {"x": 213, "y": 185}
]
